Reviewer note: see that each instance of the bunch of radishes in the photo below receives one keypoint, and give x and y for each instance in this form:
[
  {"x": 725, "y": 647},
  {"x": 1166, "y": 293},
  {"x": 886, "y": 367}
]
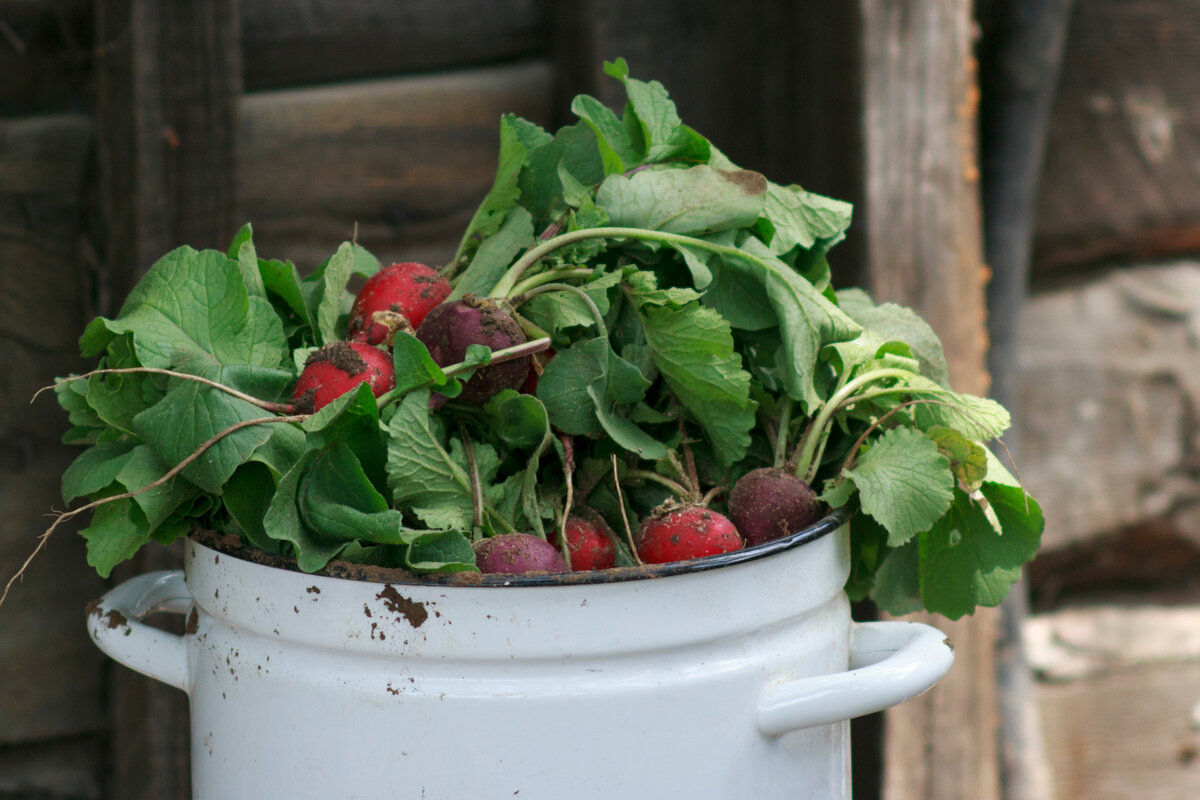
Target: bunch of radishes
[
  {"x": 708, "y": 389},
  {"x": 409, "y": 297}
]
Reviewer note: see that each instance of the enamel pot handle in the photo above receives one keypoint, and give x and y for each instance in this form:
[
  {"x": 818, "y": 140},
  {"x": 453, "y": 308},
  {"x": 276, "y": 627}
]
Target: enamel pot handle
[
  {"x": 890, "y": 662},
  {"x": 115, "y": 624}
]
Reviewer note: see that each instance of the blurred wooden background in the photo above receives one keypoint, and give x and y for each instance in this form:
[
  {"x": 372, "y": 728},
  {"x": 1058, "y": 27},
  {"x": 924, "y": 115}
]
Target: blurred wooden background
[{"x": 128, "y": 127}]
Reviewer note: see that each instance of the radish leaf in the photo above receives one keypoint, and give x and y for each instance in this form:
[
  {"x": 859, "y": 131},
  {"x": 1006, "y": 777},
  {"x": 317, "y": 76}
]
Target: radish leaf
[{"x": 904, "y": 483}]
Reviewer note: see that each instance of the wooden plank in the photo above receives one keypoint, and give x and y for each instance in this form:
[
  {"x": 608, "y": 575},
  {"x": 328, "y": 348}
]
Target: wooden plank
[
  {"x": 1127, "y": 734},
  {"x": 924, "y": 250},
  {"x": 45, "y": 55},
  {"x": 1120, "y": 697},
  {"x": 1120, "y": 176},
  {"x": 168, "y": 89},
  {"x": 322, "y": 41},
  {"x": 44, "y": 649},
  {"x": 1107, "y": 379},
  {"x": 404, "y": 161}
]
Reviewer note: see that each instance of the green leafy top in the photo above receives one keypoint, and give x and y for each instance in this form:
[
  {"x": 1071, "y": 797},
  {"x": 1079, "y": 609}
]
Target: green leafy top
[{"x": 695, "y": 335}]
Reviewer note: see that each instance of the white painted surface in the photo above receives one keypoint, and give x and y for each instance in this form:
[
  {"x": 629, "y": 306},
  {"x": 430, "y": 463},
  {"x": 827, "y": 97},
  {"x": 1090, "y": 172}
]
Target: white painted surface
[{"x": 727, "y": 683}]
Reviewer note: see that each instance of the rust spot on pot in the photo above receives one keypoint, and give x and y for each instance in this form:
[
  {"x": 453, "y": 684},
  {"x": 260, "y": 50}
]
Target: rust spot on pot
[
  {"x": 193, "y": 621},
  {"x": 112, "y": 619},
  {"x": 414, "y": 612}
]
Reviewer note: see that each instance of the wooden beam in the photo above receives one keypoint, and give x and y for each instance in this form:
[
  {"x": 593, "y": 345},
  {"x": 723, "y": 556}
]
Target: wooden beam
[
  {"x": 168, "y": 86},
  {"x": 403, "y": 161},
  {"x": 322, "y": 41},
  {"x": 924, "y": 249}
]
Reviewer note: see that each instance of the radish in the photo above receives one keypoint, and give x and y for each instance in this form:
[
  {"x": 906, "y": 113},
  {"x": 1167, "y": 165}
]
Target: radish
[
  {"x": 769, "y": 503},
  {"x": 338, "y": 367},
  {"x": 452, "y": 327},
  {"x": 406, "y": 288},
  {"x": 683, "y": 532},
  {"x": 589, "y": 541},
  {"x": 517, "y": 554}
]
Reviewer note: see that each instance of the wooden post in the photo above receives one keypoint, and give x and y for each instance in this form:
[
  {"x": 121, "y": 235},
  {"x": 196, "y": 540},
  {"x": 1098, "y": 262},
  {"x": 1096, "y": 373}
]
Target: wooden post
[
  {"x": 168, "y": 86},
  {"x": 924, "y": 249}
]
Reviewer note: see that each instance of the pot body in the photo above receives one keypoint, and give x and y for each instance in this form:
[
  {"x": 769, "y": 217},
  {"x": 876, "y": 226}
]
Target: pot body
[{"x": 724, "y": 683}]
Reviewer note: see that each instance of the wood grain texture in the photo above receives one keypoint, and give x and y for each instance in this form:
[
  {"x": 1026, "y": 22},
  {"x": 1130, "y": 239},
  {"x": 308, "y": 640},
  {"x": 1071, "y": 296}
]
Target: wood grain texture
[
  {"x": 1121, "y": 173},
  {"x": 45, "y": 56},
  {"x": 1129, "y": 732},
  {"x": 287, "y": 44},
  {"x": 923, "y": 219},
  {"x": 169, "y": 86},
  {"x": 403, "y": 161},
  {"x": 44, "y": 649},
  {"x": 53, "y": 770},
  {"x": 924, "y": 250}
]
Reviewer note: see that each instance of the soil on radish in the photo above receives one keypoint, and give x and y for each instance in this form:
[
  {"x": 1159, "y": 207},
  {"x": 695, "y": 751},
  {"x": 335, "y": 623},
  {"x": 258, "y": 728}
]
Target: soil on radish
[
  {"x": 685, "y": 532},
  {"x": 336, "y": 368},
  {"x": 408, "y": 289},
  {"x": 770, "y": 503},
  {"x": 451, "y": 328}
]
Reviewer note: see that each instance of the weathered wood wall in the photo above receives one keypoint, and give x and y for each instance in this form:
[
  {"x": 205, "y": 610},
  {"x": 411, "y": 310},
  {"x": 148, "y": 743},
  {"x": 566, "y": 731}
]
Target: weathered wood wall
[
  {"x": 402, "y": 161},
  {"x": 131, "y": 126},
  {"x": 54, "y": 675},
  {"x": 1124, "y": 141},
  {"x": 1108, "y": 405}
]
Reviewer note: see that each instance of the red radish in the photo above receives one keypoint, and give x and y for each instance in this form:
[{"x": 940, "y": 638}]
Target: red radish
[
  {"x": 338, "y": 367},
  {"x": 589, "y": 541},
  {"x": 685, "y": 532},
  {"x": 407, "y": 288},
  {"x": 517, "y": 554},
  {"x": 451, "y": 328},
  {"x": 769, "y": 503}
]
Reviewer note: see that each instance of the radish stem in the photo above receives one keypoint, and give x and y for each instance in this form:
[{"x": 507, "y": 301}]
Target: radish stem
[
  {"x": 624, "y": 515},
  {"x": 781, "y": 431},
  {"x": 550, "y": 276},
  {"x": 168, "y": 475},
  {"x": 597, "y": 317},
  {"x": 504, "y": 287},
  {"x": 815, "y": 435},
  {"x": 265, "y": 405},
  {"x": 676, "y": 488}
]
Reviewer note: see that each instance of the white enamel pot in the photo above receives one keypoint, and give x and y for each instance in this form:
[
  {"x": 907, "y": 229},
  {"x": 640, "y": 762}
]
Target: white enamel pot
[{"x": 727, "y": 677}]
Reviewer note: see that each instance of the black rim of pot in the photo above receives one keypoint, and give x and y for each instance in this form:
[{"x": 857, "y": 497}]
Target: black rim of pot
[{"x": 360, "y": 572}]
